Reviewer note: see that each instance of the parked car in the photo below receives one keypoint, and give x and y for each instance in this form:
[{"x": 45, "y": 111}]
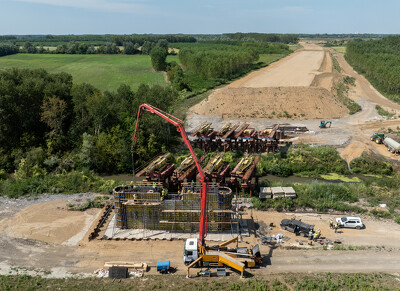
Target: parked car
[
  {"x": 350, "y": 222},
  {"x": 297, "y": 226}
]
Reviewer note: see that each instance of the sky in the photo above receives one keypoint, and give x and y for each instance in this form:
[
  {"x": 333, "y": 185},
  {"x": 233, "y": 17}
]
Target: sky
[{"x": 198, "y": 17}]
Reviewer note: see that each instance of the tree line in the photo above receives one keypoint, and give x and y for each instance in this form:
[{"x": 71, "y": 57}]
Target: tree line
[
  {"x": 379, "y": 61},
  {"x": 8, "y": 49},
  {"x": 83, "y": 48},
  {"x": 221, "y": 60},
  {"x": 51, "y": 125},
  {"x": 262, "y": 37},
  {"x": 95, "y": 40}
]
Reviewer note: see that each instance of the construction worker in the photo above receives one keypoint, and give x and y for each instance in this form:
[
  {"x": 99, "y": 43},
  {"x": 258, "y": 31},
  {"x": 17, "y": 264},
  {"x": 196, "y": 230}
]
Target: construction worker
[
  {"x": 336, "y": 227},
  {"x": 154, "y": 186},
  {"x": 310, "y": 234},
  {"x": 318, "y": 233},
  {"x": 330, "y": 223},
  {"x": 162, "y": 194},
  {"x": 315, "y": 236}
]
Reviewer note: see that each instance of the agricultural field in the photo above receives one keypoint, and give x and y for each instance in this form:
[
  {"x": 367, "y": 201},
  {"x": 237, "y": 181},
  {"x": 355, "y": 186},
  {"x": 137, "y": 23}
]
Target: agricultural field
[
  {"x": 340, "y": 49},
  {"x": 105, "y": 72}
]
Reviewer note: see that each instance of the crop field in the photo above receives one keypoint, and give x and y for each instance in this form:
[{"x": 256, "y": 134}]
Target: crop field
[
  {"x": 105, "y": 72},
  {"x": 340, "y": 49},
  {"x": 294, "y": 47}
]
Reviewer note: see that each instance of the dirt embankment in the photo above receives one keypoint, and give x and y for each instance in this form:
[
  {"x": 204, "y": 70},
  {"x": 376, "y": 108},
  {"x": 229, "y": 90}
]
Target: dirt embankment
[
  {"x": 296, "y": 87},
  {"x": 273, "y": 102}
]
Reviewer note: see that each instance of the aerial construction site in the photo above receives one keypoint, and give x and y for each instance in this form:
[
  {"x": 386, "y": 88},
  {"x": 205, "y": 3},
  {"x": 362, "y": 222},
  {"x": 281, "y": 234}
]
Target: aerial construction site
[{"x": 197, "y": 211}]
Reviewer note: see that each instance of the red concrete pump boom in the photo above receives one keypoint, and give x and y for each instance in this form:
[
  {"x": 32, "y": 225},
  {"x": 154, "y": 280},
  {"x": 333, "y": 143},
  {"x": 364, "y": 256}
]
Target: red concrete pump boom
[{"x": 204, "y": 183}]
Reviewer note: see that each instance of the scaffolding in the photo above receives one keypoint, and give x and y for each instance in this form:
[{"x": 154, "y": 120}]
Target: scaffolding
[{"x": 144, "y": 207}]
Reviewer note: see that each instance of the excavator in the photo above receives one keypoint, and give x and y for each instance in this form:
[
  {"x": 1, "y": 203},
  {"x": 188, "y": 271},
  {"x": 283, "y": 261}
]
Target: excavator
[
  {"x": 324, "y": 124},
  {"x": 196, "y": 251}
]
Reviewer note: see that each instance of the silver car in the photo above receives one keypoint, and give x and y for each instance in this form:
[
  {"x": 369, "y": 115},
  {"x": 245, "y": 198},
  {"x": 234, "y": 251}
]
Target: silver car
[{"x": 350, "y": 222}]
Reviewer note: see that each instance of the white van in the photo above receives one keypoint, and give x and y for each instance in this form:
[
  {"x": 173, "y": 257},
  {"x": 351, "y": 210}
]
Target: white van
[{"x": 350, "y": 222}]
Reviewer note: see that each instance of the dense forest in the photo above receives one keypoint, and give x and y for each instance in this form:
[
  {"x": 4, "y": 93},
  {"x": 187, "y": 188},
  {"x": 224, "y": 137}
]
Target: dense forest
[
  {"x": 48, "y": 124},
  {"x": 379, "y": 61},
  {"x": 217, "y": 61}
]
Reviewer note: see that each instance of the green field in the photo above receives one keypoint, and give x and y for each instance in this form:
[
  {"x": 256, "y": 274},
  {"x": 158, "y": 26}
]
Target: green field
[
  {"x": 294, "y": 47},
  {"x": 340, "y": 49},
  {"x": 105, "y": 72},
  {"x": 270, "y": 58}
]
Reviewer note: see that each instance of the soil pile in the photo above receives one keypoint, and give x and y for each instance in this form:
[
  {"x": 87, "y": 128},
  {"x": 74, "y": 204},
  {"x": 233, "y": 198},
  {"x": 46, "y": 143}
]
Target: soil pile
[{"x": 273, "y": 102}]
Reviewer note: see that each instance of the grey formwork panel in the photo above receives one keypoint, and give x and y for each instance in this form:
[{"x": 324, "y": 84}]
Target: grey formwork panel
[
  {"x": 289, "y": 191},
  {"x": 265, "y": 193},
  {"x": 277, "y": 192}
]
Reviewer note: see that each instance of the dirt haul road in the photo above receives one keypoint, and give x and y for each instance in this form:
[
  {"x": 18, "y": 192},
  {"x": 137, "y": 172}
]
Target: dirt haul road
[
  {"x": 27, "y": 246},
  {"x": 298, "y": 69},
  {"x": 298, "y": 86}
]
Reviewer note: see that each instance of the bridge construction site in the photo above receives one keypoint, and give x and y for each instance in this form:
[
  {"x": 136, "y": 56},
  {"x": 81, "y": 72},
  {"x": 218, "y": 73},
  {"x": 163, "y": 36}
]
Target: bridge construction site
[
  {"x": 242, "y": 138},
  {"x": 216, "y": 170}
]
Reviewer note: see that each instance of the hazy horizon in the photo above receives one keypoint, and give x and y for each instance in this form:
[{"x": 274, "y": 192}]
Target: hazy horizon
[{"x": 57, "y": 17}]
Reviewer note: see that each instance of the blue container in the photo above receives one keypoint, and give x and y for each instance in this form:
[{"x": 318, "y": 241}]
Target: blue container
[{"x": 163, "y": 265}]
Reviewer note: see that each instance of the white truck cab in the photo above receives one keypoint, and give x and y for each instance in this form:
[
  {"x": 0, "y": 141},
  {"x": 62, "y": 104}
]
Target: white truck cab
[{"x": 191, "y": 251}]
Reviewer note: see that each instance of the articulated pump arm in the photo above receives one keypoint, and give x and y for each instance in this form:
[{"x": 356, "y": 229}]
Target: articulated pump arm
[{"x": 204, "y": 183}]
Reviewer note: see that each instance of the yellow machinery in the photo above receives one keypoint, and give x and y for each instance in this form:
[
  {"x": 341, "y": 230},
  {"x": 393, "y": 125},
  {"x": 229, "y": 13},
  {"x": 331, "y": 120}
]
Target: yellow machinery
[{"x": 220, "y": 255}]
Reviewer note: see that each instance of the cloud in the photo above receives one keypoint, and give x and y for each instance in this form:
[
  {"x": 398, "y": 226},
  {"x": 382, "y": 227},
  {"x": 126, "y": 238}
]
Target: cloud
[{"x": 123, "y": 6}]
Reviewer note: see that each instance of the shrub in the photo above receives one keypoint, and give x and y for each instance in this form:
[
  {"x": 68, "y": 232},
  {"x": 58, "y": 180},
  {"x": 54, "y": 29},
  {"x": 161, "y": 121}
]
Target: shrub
[{"x": 371, "y": 164}]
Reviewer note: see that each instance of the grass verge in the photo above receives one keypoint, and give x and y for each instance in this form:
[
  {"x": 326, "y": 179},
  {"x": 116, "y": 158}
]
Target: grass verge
[
  {"x": 383, "y": 112},
  {"x": 321, "y": 281}
]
